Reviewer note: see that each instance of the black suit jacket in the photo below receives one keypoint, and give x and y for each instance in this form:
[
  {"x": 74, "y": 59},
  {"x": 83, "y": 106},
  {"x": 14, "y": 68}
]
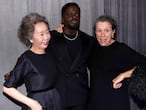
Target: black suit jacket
[{"x": 72, "y": 78}]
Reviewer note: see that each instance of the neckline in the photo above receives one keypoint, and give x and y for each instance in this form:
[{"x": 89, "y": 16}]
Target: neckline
[
  {"x": 111, "y": 45},
  {"x": 71, "y": 39},
  {"x": 34, "y": 53}
]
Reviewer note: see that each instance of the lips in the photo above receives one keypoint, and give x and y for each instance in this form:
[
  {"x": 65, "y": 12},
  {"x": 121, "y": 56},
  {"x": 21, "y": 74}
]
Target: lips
[
  {"x": 74, "y": 21},
  {"x": 102, "y": 41},
  {"x": 46, "y": 43}
]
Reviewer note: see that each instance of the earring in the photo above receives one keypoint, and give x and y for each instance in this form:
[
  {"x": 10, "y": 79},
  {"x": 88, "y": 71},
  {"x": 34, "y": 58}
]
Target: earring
[{"x": 31, "y": 41}]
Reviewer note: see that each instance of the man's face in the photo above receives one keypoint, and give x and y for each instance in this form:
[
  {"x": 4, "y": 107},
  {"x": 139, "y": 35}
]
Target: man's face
[{"x": 71, "y": 17}]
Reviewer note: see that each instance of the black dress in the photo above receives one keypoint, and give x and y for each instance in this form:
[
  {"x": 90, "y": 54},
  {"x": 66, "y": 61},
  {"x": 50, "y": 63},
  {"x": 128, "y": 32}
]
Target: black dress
[
  {"x": 38, "y": 73},
  {"x": 105, "y": 64}
]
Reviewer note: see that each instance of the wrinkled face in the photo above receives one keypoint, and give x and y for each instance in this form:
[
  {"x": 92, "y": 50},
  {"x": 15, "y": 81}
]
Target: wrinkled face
[
  {"x": 104, "y": 33},
  {"x": 41, "y": 36},
  {"x": 71, "y": 17}
]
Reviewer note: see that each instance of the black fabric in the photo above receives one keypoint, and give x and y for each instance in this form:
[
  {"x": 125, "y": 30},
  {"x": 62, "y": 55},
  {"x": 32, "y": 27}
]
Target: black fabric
[
  {"x": 79, "y": 107},
  {"x": 104, "y": 65},
  {"x": 33, "y": 69},
  {"x": 73, "y": 47},
  {"x": 137, "y": 84},
  {"x": 50, "y": 100},
  {"x": 72, "y": 78},
  {"x": 38, "y": 73}
]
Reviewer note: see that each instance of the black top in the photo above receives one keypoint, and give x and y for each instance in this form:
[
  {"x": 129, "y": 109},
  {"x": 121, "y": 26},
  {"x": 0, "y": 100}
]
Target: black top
[
  {"x": 73, "y": 47},
  {"x": 36, "y": 71},
  {"x": 71, "y": 56},
  {"x": 105, "y": 64}
]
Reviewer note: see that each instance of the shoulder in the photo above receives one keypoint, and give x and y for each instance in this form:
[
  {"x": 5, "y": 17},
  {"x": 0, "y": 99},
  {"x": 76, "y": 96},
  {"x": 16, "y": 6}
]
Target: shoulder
[
  {"x": 86, "y": 37},
  {"x": 81, "y": 33},
  {"x": 87, "y": 40},
  {"x": 121, "y": 45},
  {"x": 55, "y": 33},
  {"x": 23, "y": 61},
  {"x": 24, "y": 56},
  {"x": 55, "y": 36},
  {"x": 126, "y": 47}
]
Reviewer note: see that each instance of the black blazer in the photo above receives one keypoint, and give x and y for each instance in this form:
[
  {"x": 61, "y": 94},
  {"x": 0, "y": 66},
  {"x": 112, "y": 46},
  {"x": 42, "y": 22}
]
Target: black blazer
[{"x": 72, "y": 80}]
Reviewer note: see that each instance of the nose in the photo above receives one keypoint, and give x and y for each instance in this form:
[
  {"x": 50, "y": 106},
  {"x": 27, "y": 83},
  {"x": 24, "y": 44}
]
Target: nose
[{"x": 102, "y": 33}]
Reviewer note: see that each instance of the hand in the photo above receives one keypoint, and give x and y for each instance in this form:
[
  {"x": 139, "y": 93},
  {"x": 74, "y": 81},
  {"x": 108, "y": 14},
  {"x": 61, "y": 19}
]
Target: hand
[
  {"x": 35, "y": 105},
  {"x": 59, "y": 28},
  {"x": 117, "y": 81}
]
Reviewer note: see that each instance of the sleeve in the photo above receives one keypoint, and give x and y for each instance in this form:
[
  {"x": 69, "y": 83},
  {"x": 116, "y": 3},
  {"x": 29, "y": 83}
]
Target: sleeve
[
  {"x": 18, "y": 73},
  {"x": 137, "y": 58},
  {"x": 137, "y": 82}
]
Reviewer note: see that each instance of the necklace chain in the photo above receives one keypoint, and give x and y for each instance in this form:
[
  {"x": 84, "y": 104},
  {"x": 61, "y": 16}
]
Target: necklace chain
[{"x": 71, "y": 38}]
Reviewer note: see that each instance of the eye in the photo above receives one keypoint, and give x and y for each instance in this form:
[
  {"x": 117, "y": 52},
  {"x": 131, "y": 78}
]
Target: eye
[
  {"x": 41, "y": 34},
  {"x": 107, "y": 30},
  {"x": 47, "y": 32},
  {"x": 73, "y": 14},
  {"x": 98, "y": 30},
  {"x": 69, "y": 14}
]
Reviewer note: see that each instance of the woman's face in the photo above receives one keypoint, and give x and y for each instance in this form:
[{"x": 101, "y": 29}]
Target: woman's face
[
  {"x": 41, "y": 37},
  {"x": 104, "y": 33}
]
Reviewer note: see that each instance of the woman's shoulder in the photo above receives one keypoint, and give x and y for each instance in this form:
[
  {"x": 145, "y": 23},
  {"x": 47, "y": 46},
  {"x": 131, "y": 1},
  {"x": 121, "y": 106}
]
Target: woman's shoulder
[
  {"x": 25, "y": 55},
  {"x": 121, "y": 45}
]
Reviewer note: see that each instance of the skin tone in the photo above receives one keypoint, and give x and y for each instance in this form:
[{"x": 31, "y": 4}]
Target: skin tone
[
  {"x": 41, "y": 37},
  {"x": 117, "y": 80},
  {"x": 104, "y": 33},
  {"x": 39, "y": 40},
  {"x": 71, "y": 20}
]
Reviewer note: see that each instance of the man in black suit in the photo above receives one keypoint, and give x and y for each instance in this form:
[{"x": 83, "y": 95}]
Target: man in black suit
[{"x": 72, "y": 48}]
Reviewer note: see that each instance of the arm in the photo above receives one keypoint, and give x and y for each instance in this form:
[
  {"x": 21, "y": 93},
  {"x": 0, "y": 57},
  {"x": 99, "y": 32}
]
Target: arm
[
  {"x": 117, "y": 81},
  {"x": 14, "y": 93}
]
